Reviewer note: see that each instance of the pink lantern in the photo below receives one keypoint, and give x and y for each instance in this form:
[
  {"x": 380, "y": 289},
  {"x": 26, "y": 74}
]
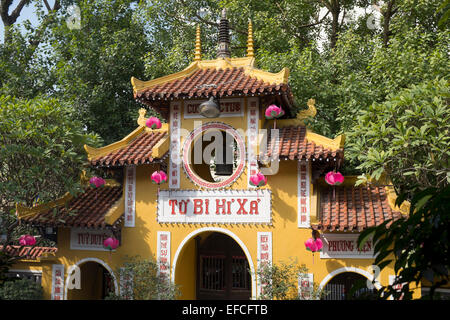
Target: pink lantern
[
  {"x": 159, "y": 177},
  {"x": 153, "y": 123},
  {"x": 273, "y": 112},
  {"x": 27, "y": 240},
  {"x": 111, "y": 243},
  {"x": 97, "y": 182},
  {"x": 334, "y": 178},
  {"x": 258, "y": 180},
  {"x": 314, "y": 245}
]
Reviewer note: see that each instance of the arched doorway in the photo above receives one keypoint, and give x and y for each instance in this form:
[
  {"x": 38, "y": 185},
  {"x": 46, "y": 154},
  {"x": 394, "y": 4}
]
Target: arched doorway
[
  {"x": 345, "y": 286},
  {"x": 222, "y": 268},
  {"x": 96, "y": 282}
]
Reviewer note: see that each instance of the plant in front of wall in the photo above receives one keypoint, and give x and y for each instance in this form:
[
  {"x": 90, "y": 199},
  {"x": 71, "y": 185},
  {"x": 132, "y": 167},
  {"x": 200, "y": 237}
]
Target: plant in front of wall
[
  {"x": 280, "y": 281},
  {"x": 140, "y": 280},
  {"x": 20, "y": 289}
]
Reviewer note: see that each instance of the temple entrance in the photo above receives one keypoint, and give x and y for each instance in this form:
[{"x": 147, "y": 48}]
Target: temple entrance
[
  {"x": 340, "y": 286},
  {"x": 96, "y": 283},
  {"x": 222, "y": 268}
]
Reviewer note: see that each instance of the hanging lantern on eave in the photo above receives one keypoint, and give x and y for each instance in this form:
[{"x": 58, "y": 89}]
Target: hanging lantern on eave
[
  {"x": 334, "y": 178},
  {"x": 27, "y": 240},
  {"x": 159, "y": 177},
  {"x": 97, "y": 182},
  {"x": 110, "y": 243},
  {"x": 274, "y": 112},
  {"x": 314, "y": 244},
  {"x": 153, "y": 123},
  {"x": 258, "y": 180}
]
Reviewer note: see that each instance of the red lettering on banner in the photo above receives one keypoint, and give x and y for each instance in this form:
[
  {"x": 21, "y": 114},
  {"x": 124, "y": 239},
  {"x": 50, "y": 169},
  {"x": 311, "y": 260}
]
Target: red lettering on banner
[
  {"x": 241, "y": 206},
  {"x": 229, "y": 207},
  {"x": 173, "y": 203},
  {"x": 206, "y": 206},
  {"x": 254, "y": 207},
  {"x": 180, "y": 206},
  {"x": 220, "y": 206},
  {"x": 198, "y": 206}
]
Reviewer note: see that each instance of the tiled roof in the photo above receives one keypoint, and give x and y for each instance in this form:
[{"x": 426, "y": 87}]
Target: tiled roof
[
  {"x": 218, "y": 82},
  {"x": 293, "y": 144},
  {"x": 29, "y": 252},
  {"x": 139, "y": 151},
  {"x": 86, "y": 210},
  {"x": 353, "y": 208}
]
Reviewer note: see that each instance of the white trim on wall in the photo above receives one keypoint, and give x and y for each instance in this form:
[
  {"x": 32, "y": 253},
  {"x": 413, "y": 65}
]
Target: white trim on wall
[
  {"x": 347, "y": 269},
  {"x": 99, "y": 261}
]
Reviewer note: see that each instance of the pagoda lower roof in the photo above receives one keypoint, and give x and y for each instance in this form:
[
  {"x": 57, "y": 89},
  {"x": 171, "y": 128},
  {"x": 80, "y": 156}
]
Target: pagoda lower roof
[
  {"x": 142, "y": 146},
  {"x": 93, "y": 208},
  {"x": 29, "y": 252},
  {"x": 348, "y": 208},
  {"x": 298, "y": 143}
]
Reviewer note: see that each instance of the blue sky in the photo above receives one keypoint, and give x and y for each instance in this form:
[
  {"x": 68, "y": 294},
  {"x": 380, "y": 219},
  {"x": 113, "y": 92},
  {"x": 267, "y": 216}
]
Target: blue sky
[{"x": 26, "y": 14}]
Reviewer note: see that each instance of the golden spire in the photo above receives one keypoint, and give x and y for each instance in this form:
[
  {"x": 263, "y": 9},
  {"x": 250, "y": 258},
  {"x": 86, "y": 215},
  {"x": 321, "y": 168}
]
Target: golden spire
[
  {"x": 198, "y": 46},
  {"x": 250, "y": 51}
]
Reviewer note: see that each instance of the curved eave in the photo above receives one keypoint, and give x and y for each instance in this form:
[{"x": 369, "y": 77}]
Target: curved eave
[
  {"x": 94, "y": 153},
  {"x": 247, "y": 63}
]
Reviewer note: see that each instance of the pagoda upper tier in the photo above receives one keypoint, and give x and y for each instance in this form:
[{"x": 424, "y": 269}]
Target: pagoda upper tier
[{"x": 221, "y": 77}]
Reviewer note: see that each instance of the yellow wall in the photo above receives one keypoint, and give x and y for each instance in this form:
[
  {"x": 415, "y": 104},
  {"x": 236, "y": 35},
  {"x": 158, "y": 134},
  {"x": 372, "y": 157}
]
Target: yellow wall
[{"x": 141, "y": 240}]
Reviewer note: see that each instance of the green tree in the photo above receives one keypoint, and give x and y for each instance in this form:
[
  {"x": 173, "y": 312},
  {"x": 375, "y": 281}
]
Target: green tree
[
  {"x": 93, "y": 65},
  {"x": 41, "y": 156},
  {"x": 406, "y": 138}
]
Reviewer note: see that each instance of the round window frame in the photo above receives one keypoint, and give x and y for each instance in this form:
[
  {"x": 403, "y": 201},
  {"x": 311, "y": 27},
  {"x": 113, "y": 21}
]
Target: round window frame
[{"x": 187, "y": 146}]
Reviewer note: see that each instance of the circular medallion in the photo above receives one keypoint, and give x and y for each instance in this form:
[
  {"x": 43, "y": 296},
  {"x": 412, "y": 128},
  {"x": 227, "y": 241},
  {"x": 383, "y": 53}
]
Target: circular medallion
[{"x": 239, "y": 155}]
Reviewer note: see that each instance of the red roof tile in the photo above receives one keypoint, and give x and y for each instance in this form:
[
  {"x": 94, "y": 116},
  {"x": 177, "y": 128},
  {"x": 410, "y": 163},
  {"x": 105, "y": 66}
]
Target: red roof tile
[
  {"x": 139, "y": 151},
  {"x": 28, "y": 252},
  {"x": 292, "y": 144},
  {"x": 353, "y": 208},
  {"x": 218, "y": 82},
  {"x": 86, "y": 210}
]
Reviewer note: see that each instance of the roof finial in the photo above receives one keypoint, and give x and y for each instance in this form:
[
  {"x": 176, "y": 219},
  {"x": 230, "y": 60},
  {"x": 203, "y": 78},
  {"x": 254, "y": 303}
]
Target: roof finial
[
  {"x": 250, "y": 51},
  {"x": 198, "y": 45},
  {"x": 224, "y": 37}
]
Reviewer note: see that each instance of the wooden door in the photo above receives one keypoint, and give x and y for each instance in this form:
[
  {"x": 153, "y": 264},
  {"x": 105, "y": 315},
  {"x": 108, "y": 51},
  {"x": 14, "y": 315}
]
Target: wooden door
[{"x": 223, "y": 270}]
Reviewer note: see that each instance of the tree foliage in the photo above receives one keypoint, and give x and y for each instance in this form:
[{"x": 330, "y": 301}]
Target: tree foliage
[
  {"x": 418, "y": 245},
  {"x": 41, "y": 155},
  {"x": 280, "y": 281},
  {"x": 407, "y": 138},
  {"x": 21, "y": 289}
]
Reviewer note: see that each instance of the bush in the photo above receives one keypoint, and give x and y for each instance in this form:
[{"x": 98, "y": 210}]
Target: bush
[
  {"x": 22, "y": 289},
  {"x": 281, "y": 282},
  {"x": 139, "y": 280}
]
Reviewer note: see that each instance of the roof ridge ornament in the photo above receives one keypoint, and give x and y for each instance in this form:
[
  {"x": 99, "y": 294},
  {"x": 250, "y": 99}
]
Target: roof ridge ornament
[
  {"x": 224, "y": 37},
  {"x": 250, "y": 50},
  {"x": 310, "y": 112},
  {"x": 198, "y": 45}
]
